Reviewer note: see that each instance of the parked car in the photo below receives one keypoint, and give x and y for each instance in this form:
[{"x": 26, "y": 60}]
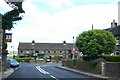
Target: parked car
[
  {"x": 13, "y": 63},
  {"x": 48, "y": 59}
]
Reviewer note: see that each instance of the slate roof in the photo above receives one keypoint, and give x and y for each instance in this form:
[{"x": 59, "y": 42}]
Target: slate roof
[
  {"x": 44, "y": 46},
  {"x": 114, "y": 30}
]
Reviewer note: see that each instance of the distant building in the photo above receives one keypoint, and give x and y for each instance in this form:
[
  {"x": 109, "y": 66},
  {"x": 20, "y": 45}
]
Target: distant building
[
  {"x": 115, "y": 29},
  {"x": 50, "y": 49}
]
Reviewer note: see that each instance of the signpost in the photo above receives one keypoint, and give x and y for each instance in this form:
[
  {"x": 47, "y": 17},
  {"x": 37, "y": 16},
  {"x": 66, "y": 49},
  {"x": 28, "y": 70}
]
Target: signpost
[
  {"x": 73, "y": 52},
  {"x": 8, "y": 37}
]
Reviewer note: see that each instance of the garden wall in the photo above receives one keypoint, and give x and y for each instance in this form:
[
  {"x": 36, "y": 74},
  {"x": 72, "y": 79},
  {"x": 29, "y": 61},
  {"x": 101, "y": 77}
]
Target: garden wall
[
  {"x": 112, "y": 69},
  {"x": 87, "y": 66}
]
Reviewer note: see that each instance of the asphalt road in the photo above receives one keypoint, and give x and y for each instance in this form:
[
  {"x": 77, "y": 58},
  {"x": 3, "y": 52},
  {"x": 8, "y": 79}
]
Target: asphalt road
[{"x": 45, "y": 72}]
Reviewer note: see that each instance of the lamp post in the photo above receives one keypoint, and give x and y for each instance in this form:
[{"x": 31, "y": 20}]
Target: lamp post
[
  {"x": 33, "y": 46},
  {"x": 73, "y": 41},
  {"x": 64, "y": 44},
  {"x": 73, "y": 50}
]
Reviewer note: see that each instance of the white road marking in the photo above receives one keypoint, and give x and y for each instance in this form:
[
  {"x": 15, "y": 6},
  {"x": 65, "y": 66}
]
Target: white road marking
[
  {"x": 45, "y": 72},
  {"x": 53, "y": 77},
  {"x": 17, "y": 68},
  {"x": 41, "y": 70}
]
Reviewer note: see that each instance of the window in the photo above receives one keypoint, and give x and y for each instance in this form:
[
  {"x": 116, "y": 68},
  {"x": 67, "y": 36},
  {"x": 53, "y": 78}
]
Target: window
[
  {"x": 54, "y": 51},
  {"x": 60, "y": 51},
  {"x": 44, "y": 51},
  {"x": 36, "y": 51},
  {"x": 27, "y": 52},
  {"x": 48, "y": 51},
  {"x": 21, "y": 51},
  {"x": 117, "y": 42}
]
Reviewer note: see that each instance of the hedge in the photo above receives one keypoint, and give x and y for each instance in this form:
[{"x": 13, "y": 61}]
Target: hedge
[
  {"x": 112, "y": 58},
  {"x": 24, "y": 59}
]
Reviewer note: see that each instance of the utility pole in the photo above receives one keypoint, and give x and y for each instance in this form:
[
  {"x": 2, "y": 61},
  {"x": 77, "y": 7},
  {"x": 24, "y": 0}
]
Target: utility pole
[
  {"x": 92, "y": 26},
  {"x": 72, "y": 50},
  {"x": 64, "y": 44}
]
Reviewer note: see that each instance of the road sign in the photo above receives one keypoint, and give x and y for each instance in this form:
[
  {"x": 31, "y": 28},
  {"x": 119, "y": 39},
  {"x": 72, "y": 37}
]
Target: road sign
[
  {"x": 8, "y": 37},
  {"x": 73, "y": 51}
]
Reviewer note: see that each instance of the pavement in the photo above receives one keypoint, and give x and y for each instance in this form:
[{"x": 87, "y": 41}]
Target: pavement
[
  {"x": 6, "y": 73},
  {"x": 10, "y": 71},
  {"x": 89, "y": 74}
]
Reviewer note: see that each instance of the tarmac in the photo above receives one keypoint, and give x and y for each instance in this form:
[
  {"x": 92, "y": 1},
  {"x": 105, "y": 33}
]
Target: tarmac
[{"x": 9, "y": 71}]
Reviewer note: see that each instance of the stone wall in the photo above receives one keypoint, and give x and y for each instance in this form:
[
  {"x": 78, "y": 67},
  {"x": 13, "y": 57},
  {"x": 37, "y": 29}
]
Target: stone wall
[
  {"x": 86, "y": 66},
  {"x": 112, "y": 69}
]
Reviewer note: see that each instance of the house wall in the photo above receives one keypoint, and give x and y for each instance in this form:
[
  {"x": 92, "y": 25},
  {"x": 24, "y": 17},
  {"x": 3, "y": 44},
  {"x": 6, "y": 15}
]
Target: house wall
[{"x": 47, "y": 52}]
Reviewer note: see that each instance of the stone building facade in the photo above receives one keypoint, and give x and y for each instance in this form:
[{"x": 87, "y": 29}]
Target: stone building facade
[
  {"x": 115, "y": 29},
  {"x": 50, "y": 49}
]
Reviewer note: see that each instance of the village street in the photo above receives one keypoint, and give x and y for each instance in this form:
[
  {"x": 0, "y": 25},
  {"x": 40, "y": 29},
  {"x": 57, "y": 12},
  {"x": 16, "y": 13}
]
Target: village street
[{"x": 45, "y": 71}]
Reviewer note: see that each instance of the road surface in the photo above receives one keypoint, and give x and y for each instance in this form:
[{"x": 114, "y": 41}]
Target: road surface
[{"x": 45, "y": 72}]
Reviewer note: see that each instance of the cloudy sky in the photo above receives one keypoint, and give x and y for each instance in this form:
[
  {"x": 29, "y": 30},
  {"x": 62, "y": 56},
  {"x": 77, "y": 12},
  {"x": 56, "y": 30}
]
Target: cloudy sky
[{"x": 59, "y": 20}]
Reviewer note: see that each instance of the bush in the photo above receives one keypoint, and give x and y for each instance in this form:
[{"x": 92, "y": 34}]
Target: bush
[
  {"x": 112, "y": 58},
  {"x": 41, "y": 55},
  {"x": 95, "y": 42}
]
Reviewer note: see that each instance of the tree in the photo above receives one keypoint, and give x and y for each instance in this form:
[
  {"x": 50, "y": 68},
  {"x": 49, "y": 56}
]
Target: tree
[
  {"x": 8, "y": 19},
  {"x": 96, "y": 42}
]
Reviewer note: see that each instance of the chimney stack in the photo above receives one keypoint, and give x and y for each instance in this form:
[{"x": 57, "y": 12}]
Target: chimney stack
[{"x": 113, "y": 24}]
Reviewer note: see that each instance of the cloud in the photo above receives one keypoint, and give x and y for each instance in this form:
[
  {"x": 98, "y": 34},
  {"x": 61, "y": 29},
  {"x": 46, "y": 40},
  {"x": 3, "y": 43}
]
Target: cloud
[
  {"x": 42, "y": 26},
  {"x": 56, "y": 4}
]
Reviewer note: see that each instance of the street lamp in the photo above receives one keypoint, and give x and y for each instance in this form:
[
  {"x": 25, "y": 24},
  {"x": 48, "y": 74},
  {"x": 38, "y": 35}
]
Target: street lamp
[
  {"x": 64, "y": 44},
  {"x": 33, "y": 48},
  {"x": 33, "y": 44},
  {"x": 73, "y": 50},
  {"x": 73, "y": 41}
]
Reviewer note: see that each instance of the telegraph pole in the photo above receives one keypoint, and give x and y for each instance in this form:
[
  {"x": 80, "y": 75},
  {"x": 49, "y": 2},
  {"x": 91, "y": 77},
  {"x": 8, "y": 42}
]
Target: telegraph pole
[
  {"x": 72, "y": 50},
  {"x": 92, "y": 26}
]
